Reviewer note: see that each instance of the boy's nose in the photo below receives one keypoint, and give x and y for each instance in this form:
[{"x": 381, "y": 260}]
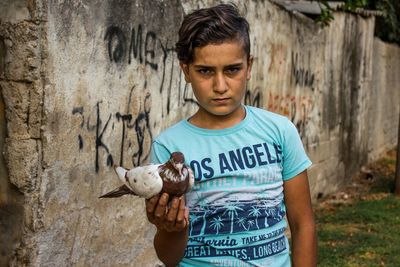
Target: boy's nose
[{"x": 220, "y": 85}]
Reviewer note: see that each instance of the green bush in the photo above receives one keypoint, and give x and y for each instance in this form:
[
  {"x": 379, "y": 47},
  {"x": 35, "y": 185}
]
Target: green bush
[{"x": 387, "y": 27}]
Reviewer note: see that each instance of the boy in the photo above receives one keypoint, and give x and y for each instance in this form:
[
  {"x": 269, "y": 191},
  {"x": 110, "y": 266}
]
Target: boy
[{"x": 250, "y": 165}]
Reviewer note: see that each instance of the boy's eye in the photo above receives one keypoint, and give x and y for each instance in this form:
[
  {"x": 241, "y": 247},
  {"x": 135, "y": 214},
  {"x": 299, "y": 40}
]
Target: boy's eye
[
  {"x": 232, "y": 70},
  {"x": 204, "y": 71}
]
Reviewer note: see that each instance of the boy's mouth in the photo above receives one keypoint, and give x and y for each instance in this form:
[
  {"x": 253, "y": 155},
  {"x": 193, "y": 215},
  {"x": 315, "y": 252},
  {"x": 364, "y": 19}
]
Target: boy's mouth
[{"x": 221, "y": 100}]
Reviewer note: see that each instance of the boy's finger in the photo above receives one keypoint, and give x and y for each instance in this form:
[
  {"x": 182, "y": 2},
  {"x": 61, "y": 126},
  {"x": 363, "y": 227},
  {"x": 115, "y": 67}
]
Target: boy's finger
[
  {"x": 151, "y": 203},
  {"x": 150, "y": 207},
  {"x": 172, "y": 212},
  {"x": 187, "y": 213},
  {"x": 180, "y": 218},
  {"x": 159, "y": 212}
]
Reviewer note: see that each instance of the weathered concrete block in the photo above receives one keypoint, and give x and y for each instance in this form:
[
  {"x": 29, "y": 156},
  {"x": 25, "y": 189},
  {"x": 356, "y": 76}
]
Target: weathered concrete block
[
  {"x": 2, "y": 57},
  {"x": 16, "y": 98},
  {"x": 35, "y": 109},
  {"x": 23, "y": 108},
  {"x": 22, "y": 61},
  {"x": 22, "y": 160},
  {"x": 14, "y": 11}
]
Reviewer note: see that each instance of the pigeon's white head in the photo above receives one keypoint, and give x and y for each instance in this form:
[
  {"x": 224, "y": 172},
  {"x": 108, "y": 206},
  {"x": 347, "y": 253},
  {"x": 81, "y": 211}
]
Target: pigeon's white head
[{"x": 177, "y": 161}]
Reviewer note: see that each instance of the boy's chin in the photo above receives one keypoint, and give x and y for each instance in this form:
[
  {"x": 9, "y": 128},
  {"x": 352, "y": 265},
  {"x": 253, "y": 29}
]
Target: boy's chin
[{"x": 222, "y": 111}]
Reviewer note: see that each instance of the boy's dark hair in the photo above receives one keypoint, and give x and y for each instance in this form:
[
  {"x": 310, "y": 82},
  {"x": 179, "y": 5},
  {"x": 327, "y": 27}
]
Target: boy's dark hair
[{"x": 212, "y": 25}]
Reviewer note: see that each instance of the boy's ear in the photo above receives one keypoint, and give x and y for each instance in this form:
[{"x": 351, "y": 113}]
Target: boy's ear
[
  {"x": 249, "y": 66},
  {"x": 185, "y": 69}
]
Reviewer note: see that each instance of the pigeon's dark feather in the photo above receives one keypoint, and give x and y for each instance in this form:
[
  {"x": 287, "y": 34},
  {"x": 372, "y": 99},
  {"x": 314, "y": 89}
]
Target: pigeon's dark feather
[{"x": 120, "y": 191}]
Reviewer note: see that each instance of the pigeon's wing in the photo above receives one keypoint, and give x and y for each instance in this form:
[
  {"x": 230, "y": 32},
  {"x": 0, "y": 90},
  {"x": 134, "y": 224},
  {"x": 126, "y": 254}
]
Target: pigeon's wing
[
  {"x": 117, "y": 192},
  {"x": 145, "y": 181},
  {"x": 191, "y": 179}
]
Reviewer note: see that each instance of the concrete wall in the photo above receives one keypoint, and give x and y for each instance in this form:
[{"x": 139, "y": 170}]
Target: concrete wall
[
  {"x": 89, "y": 84},
  {"x": 384, "y": 99}
]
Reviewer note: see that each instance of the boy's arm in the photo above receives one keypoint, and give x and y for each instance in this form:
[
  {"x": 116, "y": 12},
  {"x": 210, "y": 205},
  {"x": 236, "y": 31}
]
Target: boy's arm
[
  {"x": 172, "y": 223},
  {"x": 301, "y": 221}
]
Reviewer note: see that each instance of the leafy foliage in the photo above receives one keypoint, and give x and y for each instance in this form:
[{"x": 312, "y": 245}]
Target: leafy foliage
[
  {"x": 326, "y": 13},
  {"x": 387, "y": 26}
]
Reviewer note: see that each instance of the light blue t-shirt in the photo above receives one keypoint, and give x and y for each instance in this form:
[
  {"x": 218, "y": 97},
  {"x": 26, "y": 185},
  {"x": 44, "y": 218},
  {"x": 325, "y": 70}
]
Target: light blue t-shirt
[{"x": 236, "y": 205}]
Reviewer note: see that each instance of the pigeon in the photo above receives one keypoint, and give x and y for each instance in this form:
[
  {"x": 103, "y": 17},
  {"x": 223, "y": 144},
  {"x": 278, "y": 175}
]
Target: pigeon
[{"x": 172, "y": 177}]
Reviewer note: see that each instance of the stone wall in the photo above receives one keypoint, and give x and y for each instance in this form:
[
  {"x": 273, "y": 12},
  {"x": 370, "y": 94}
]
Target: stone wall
[
  {"x": 22, "y": 50},
  {"x": 89, "y": 84}
]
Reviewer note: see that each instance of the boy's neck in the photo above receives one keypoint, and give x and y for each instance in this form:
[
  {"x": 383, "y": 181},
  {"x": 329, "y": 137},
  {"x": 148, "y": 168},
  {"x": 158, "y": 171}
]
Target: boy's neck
[{"x": 205, "y": 120}]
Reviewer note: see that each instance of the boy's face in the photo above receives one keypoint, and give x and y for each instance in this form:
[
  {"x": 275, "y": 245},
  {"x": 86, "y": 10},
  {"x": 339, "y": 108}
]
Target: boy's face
[{"x": 219, "y": 75}]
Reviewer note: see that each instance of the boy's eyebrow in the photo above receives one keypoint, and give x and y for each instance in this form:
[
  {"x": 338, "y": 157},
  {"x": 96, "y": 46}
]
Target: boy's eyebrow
[
  {"x": 235, "y": 65},
  {"x": 200, "y": 66}
]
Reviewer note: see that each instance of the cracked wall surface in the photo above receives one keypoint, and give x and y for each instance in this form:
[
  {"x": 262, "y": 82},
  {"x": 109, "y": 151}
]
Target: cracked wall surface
[
  {"x": 89, "y": 84},
  {"x": 22, "y": 43}
]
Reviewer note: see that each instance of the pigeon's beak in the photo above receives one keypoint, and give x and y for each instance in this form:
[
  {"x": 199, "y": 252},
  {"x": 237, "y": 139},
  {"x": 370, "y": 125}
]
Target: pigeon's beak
[{"x": 177, "y": 166}]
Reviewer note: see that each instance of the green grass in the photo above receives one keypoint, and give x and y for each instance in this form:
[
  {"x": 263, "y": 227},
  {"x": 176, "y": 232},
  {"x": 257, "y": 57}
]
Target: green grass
[{"x": 363, "y": 232}]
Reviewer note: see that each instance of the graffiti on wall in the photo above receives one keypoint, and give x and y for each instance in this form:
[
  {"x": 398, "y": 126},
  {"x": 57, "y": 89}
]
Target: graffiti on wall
[
  {"x": 298, "y": 105},
  {"x": 148, "y": 49},
  {"x": 301, "y": 110},
  {"x": 297, "y": 108},
  {"x": 300, "y": 75},
  {"x": 123, "y": 47},
  {"x": 253, "y": 97},
  {"x": 135, "y": 133},
  {"x": 120, "y": 136}
]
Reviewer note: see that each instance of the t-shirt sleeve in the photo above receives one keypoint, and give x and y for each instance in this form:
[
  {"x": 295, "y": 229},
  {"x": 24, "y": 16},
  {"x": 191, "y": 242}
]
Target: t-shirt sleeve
[
  {"x": 295, "y": 159},
  {"x": 159, "y": 153}
]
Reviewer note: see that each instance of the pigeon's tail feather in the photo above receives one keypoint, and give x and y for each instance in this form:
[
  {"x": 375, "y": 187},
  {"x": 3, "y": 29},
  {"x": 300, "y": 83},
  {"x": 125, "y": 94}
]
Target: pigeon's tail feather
[{"x": 117, "y": 192}]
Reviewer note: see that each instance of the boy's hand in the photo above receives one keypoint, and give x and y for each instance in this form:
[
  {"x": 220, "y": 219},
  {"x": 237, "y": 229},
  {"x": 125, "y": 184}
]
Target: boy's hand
[{"x": 172, "y": 217}]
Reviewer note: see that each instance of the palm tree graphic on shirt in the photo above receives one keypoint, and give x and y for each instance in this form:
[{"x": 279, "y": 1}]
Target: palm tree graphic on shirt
[
  {"x": 250, "y": 224},
  {"x": 267, "y": 211},
  {"x": 206, "y": 210},
  {"x": 255, "y": 212},
  {"x": 272, "y": 212},
  {"x": 216, "y": 223},
  {"x": 193, "y": 219},
  {"x": 242, "y": 222},
  {"x": 232, "y": 211}
]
